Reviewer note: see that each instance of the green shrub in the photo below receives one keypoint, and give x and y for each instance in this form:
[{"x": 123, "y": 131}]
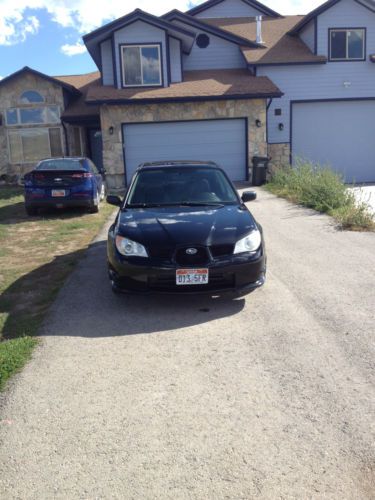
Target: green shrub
[
  {"x": 323, "y": 190},
  {"x": 13, "y": 355}
]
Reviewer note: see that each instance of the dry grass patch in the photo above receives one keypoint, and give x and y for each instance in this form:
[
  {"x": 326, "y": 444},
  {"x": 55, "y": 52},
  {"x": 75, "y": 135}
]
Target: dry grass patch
[{"x": 36, "y": 256}]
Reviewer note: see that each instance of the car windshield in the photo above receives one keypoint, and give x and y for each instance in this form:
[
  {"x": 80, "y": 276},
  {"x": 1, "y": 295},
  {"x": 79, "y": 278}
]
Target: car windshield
[
  {"x": 61, "y": 164},
  {"x": 181, "y": 186}
]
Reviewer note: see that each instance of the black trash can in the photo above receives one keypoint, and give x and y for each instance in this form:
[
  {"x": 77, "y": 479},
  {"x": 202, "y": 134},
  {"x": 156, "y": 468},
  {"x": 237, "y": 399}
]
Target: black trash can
[{"x": 260, "y": 166}]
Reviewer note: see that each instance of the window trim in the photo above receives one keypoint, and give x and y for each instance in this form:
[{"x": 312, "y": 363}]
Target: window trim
[
  {"x": 25, "y": 162},
  {"x": 331, "y": 30},
  {"x": 142, "y": 45},
  {"x": 23, "y": 125},
  {"x": 31, "y": 103}
]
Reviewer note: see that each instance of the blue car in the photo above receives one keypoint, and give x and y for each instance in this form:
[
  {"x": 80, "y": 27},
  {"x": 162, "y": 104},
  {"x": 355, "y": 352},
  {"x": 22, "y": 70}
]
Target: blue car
[{"x": 64, "y": 182}]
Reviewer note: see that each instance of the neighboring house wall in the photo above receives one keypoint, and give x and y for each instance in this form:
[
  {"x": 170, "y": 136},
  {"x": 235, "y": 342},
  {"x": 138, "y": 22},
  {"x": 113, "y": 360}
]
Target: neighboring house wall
[
  {"x": 142, "y": 33},
  {"x": 175, "y": 59},
  {"x": 10, "y": 93},
  {"x": 334, "y": 80},
  {"x": 107, "y": 62},
  {"x": 112, "y": 144},
  {"x": 308, "y": 35},
  {"x": 230, "y": 8}
]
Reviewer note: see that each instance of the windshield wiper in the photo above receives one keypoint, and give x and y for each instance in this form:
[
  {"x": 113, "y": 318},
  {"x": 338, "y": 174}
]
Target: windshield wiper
[
  {"x": 200, "y": 204},
  {"x": 145, "y": 205}
]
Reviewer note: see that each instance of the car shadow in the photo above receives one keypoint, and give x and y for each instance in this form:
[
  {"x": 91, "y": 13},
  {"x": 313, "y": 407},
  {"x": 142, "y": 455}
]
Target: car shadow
[
  {"x": 87, "y": 307},
  {"x": 16, "y": 214}
]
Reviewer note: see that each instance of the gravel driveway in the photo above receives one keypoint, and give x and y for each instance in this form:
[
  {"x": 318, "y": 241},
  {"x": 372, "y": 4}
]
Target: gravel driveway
[{"x": 269, "y": 397}]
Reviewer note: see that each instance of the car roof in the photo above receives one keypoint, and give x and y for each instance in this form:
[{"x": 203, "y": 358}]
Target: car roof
[
  {"x": 178, "y": 163},
  {"x": 64, "y": 158}
]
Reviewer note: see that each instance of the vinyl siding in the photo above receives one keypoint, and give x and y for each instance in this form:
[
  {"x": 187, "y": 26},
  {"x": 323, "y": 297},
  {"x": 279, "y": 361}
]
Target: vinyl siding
[
  {"x": 107, "y": 63},
  {"x": 175, "y": 58},
  {"x": 140, "y": 32},
  {"x": 324, "y": 81},
  {"x": 230, "y": 8},
  {"x": 308, "y": 35}
]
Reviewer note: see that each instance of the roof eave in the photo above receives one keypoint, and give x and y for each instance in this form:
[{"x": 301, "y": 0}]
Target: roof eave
[
  {"x": 211, "y": 3},
  {"x": 229, "y": 97},
  {"x": 67, "y": 86},
  {"x": 177, "y": 15}
]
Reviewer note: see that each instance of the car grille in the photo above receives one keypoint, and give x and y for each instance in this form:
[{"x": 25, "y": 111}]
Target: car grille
[
  {"x": 161, "y": 253},
  {"x": 168, "y": 283},
  {"x": 221, "y": 250},
  {"x": 199, "y": 259}
]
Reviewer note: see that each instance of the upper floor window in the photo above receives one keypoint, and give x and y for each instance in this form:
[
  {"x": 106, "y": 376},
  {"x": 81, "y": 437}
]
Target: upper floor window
[
  {"x": 347, "y": 44},
  {"x": 33, "y": 116},
  {"x": 31, "y": 97},
  {"x": 141, "y": 65}
]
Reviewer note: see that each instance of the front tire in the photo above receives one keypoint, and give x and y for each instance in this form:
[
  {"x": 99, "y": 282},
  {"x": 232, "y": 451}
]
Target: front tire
[
  {"x": 94, "y": 209},
  {"x": 31, "y": 211}
]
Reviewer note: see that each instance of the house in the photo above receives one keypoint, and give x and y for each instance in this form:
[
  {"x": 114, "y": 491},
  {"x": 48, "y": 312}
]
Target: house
[
  {"x": 225, "y": 81},
  {"x": 31, "y": 128}
]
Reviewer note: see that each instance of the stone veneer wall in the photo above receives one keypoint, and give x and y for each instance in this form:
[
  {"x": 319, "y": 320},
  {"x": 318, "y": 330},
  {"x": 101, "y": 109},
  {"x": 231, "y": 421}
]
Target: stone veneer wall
[
  {"x": 9, "y": 97},
  {"x": 280, "y": 154},
  {"x": 114, "y": 116}
]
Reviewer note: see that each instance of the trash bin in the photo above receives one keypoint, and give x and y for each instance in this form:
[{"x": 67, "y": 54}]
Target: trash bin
[{"x": 260, "y": 165}]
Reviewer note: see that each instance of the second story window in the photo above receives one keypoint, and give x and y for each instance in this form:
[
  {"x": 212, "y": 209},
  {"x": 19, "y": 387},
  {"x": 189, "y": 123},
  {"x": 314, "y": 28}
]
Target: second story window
[
  {"x": 347, "y": 44},
  {"x": 141, "y": 65}
]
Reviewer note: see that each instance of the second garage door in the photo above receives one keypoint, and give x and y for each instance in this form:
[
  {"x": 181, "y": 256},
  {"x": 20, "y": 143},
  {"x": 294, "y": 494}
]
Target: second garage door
[
  {"x": 340, "y": 134},
  {"x": 221, "y": 141}
]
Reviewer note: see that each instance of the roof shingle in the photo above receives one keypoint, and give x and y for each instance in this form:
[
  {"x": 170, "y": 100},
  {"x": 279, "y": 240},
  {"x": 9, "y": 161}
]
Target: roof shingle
[
  {"x": 279, "y": 46},
  {"x": 203, "y": 85}
]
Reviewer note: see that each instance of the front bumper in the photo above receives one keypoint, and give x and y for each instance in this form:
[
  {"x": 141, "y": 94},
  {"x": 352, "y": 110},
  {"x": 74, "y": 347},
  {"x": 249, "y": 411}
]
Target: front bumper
[{"x": 239, "y": 274}]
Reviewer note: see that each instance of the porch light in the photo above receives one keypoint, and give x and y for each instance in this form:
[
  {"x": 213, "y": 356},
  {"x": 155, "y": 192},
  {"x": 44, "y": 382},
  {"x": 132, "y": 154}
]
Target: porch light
[
  {"x": 281, "y": 126},
  {"x": 258, "y": 123},
  {"x": 111, "y": 130}
]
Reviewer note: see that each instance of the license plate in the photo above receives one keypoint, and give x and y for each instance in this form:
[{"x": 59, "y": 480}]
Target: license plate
[
  {"x": 191, "y": 276},
  {"x": 58, "y": 193}
]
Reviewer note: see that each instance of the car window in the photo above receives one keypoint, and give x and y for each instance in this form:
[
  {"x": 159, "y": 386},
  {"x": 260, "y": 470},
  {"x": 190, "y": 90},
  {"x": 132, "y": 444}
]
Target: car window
[
  {"x": 61, "y": 164},
  {"x": 168, "y": 186}
]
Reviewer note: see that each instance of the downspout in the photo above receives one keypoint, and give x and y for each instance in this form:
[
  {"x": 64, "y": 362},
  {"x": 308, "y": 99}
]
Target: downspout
[{"x": 267, "y": 108}]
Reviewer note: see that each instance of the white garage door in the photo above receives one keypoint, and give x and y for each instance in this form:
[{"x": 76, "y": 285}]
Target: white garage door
[
  {"x": 340, "y": 134},
  {"x": 221, "y": 141}
]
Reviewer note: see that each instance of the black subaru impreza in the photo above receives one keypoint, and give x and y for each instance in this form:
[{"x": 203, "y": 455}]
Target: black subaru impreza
[{"x": 182, "y": 228}]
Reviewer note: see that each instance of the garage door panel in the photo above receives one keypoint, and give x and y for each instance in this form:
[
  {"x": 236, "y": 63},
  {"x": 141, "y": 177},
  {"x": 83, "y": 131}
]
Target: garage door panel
[
  {"x": 337, "y": 134},
  {"x": 222, "y": 141}
]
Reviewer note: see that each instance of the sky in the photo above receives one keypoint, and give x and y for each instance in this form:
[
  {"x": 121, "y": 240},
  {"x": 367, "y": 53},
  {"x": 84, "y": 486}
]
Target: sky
[{"x": 47, "y": 34}]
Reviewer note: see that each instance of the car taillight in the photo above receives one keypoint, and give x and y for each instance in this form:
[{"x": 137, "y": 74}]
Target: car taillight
[
  {"x": 81, "y": 176},
  {"x": 39, "y": 177}
]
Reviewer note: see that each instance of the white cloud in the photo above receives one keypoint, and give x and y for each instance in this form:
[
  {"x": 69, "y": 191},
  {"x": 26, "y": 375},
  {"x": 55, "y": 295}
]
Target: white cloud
[
  {"x": 86, "y": 15},
  {"x": 73, "y": 49}
]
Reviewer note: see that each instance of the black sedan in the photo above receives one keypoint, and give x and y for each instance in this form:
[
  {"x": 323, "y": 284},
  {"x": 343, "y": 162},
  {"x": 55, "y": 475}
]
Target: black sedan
[{"x": 182, "y": 228}]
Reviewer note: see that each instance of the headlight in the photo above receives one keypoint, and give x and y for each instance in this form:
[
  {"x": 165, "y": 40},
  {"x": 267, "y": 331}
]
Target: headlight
[
  {"x": 130, "y": 248},
  {"x": 250, "y": 243}
]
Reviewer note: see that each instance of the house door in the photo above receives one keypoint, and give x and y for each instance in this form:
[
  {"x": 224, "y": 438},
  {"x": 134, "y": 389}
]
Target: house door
[{"x": 96, "y": 147}]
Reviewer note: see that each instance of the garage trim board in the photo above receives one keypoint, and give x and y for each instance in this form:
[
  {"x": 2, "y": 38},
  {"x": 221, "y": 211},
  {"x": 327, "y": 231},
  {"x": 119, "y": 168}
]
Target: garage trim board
[
  {"x": 234, "y": 129},
  {"x": 367, "y": 173}
]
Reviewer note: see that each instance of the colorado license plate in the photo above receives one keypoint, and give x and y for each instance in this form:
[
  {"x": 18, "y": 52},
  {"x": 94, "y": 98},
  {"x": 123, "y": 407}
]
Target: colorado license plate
[
  {"x": 58, "y": 193},
  {"x": 191, "y": 276}
]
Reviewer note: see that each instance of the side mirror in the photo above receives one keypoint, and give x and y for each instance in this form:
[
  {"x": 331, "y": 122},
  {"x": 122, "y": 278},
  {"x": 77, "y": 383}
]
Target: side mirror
[
  {"x": 114, "y": 200},
  {"x": 248, "y": 196}
]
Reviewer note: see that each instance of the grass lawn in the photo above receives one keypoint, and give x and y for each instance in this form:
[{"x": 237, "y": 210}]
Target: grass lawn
[{"x": 36, "y": 256}]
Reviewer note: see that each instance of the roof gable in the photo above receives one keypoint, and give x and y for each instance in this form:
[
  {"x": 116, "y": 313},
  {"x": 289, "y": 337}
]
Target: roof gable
[
  {"x": 176, "y": 15},
  {"x": 252, "y": 3},
  {"x": 368, "y": 4},
  {"x": 26, "y": 69}
]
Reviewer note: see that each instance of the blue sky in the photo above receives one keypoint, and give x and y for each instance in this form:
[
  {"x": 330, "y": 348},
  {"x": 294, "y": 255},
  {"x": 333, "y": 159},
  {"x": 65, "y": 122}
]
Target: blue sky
[{"x": 46, "y": 34}]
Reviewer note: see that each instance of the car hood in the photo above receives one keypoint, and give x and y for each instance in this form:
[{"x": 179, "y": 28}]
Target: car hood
[{"x": 171, "y": 226}]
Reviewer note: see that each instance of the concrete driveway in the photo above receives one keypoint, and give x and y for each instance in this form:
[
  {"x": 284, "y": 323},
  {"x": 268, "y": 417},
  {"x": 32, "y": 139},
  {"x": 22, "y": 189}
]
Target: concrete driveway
[{"x": 269, "y": 397}]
